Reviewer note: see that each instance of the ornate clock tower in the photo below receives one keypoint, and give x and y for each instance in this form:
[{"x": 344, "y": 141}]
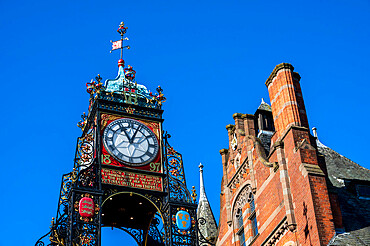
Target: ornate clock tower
[{"x": 125, "y": 175}]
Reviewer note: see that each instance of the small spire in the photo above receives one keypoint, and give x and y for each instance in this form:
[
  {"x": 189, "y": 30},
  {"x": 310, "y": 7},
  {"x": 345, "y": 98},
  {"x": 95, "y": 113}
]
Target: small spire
[
  {"x": 207, "y": 230},
  {"x": 202, "y": 192},
  {"x": 264, "y": 106}
]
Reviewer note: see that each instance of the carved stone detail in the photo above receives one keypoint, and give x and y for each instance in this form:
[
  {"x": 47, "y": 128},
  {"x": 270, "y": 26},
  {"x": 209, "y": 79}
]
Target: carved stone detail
[
  {"x": 244, "y": 196},
  {"x": 238, "y": 177},
  {"x": 277, "y": 234}
]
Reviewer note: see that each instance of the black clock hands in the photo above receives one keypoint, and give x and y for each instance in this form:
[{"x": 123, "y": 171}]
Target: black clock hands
[
  {"x": 133, "y": 136},
  {"x": 130, "y": 142},
  {"x": 124, "y": 130}
]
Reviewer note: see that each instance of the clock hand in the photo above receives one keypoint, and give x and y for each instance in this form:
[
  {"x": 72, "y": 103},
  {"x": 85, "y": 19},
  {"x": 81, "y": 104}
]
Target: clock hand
[
  {"x": 133, "y": 136},
  {"x": 141, "y": 140},
  {"x": 128, "y": 137}
]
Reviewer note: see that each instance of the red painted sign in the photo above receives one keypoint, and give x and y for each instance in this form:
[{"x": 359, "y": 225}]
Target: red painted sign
[
  {"x": 131, "y": 179},
  {"x": 86, "y": 207}
]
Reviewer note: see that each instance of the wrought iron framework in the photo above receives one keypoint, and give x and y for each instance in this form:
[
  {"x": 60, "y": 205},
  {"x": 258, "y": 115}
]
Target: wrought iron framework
[
  {"x": 202, "y": 240},
  {"x": 69, "y": 228},
  {"x": 121, "y": 96}
]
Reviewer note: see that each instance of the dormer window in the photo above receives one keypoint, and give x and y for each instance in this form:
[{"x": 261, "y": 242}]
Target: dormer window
[{"x": 263, "y": 118}]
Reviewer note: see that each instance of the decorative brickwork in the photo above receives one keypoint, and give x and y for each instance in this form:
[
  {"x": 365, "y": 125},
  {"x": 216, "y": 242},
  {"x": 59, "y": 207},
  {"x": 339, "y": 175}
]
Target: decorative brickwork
[{"x": 291, "y": 203}]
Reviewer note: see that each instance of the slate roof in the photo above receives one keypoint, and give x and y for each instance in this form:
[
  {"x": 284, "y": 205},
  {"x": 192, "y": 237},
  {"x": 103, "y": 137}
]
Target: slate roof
[
  {"x": 340, "y": 167},
  {"x": 344, "y": 175},
  {"x": 265, "y": 137},
  {"x": 357, "y": 237},
  {"x": 264, "y": 106}
]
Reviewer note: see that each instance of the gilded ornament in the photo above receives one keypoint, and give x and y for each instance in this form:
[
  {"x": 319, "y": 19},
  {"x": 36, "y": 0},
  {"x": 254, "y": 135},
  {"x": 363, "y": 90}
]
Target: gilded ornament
[
  {"x": 130, "y": 110},
  {"x": 194, "y": 194},
  {"x": 107, "y": 117}
]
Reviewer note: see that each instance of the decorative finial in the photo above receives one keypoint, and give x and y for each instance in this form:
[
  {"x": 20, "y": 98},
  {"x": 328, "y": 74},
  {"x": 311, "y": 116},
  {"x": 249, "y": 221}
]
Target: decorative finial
[
  {"x": 314, "y": 130},
  {"x": 94, "y": 87},
  {"x": 200, "y": 167},
  {"x": 52, "y": 223},
  {"x": 129, "y": 73},
  {"x": 262, "y": 101},
  {"x": 82, "y": 123},
  {"x": 98, "y": 78},
  {"x": 119, "y": 44},
  {"x": 157, "y": 99},
  {"x": 160, "y": 97},
  {"x": 319, "y": 144},
  {"x": 202, "y": 191},
  {"x": 121, "y": 63},
  {"x": 122, "y": 29},
  {"x": 194, "y": 194}
]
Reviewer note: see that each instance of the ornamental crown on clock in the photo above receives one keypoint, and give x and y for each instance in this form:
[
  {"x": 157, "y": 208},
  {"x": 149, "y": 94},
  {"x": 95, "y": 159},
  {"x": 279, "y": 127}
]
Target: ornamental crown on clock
[{"x": 131, "y": 142}]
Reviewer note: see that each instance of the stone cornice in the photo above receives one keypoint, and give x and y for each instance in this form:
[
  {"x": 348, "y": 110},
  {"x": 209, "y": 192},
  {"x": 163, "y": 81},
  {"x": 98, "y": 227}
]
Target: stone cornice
[
  {"x": 237, "y": 116},
  {"x": 248, "y": 116},
  {"x": 230, "y": 127},
  {"x": 276, "y": 70},
  {"x": 224, "y": 151},
  {"x": 311, "y": 169}
]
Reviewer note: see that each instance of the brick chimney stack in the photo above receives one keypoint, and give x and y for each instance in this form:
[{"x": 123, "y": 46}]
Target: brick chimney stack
[
  {"x": 286, "y": 98},
  {"x": 274, "y": 189}
]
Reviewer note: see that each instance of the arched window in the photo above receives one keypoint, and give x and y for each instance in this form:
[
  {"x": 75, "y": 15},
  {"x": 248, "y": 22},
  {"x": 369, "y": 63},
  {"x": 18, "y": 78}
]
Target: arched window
[
  {"x": 240, "y": 225},
  {"x": 252, "y": 216},
  {"x": 245, "y": 201}
]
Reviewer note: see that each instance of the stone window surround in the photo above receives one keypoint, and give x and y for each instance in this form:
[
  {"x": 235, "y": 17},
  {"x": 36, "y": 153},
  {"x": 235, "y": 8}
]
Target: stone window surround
[{"x": 244, "y": 196}]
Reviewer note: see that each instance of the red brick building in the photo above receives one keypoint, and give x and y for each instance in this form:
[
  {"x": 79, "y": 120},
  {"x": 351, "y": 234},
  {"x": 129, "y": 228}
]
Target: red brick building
[{"x": 277, "y": 188}]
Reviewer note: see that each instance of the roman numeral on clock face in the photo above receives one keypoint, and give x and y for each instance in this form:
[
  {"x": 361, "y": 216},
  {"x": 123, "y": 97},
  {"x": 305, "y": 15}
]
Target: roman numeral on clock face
[{"x": 149, "y": 154}]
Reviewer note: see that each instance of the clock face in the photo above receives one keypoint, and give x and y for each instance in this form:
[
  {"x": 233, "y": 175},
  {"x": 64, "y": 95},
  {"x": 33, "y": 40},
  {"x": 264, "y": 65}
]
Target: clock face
[{"x": 130, "y": 142}]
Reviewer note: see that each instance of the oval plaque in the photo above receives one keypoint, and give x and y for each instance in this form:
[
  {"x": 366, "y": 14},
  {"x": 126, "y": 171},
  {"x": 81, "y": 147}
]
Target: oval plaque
[
  {"x": 183, "y": 220},
  {"x": 86, "y": 207}
]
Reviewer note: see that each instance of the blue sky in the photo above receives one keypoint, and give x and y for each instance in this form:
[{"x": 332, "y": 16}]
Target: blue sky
[{"x": 212, "y": 59}]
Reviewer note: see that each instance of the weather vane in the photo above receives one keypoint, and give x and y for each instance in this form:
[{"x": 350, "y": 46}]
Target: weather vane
[{"x": 119, "y": 44}]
